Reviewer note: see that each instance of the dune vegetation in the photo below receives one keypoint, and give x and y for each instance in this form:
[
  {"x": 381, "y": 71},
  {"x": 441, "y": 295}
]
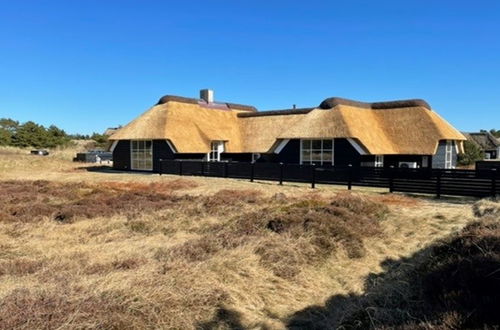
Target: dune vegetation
[{"x": 85, "y": 247}]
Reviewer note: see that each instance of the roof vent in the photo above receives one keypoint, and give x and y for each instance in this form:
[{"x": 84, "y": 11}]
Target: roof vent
[{"x": 207, "y": 95}]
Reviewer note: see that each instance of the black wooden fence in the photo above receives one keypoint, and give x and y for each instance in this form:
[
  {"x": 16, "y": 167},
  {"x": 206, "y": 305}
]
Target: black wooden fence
[{"x": 476, "y": 183}]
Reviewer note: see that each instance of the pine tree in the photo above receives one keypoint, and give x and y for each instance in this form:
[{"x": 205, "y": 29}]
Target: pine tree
[
  {"x": 30, "y": 134},
  {"x": 5, "y": 137}
]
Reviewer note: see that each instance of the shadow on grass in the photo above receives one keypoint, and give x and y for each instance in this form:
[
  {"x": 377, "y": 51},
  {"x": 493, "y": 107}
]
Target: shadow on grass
[
  {"x": 224, "y": 319},
  {"x": 109, "y": 169},
  {"x": 453, "y": 284},
  {"x": 459, "y": 200}
]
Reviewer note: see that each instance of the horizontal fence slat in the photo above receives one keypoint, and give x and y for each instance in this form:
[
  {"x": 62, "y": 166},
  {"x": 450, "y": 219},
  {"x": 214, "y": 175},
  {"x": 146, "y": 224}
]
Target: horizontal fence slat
[{"x": 451, "y": 182}]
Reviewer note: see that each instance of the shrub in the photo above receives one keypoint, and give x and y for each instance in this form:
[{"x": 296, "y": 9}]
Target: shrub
[
  {"x": 20, "y": 267},
  {"x": 454, "y": 284},
  {"x": 226, "y": 200},
  {"x": 289, "y": 237},
  {"x": 487, "y": 207},
  {"x": 31, "y": 201},
  {"x": 472, "y": 153},
  {"x": 462, "y": 276}
]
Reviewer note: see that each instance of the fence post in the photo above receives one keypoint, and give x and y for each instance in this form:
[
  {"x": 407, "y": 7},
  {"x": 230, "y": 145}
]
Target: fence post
[
  {"x": 438, "y": 183},
  {"x": 180, "y": 167},
  {"x": 391, "y": 178},
  {"x": 494, "y": 182},
  {"x": 161, "y": 165},
  {"x": 252, "y": 167},
  {"x": 226, "y": 169},
  {"x": 349, "y": 179},
  {"x": 313, "y": 176},
  {"x": 281, "y": 173}
]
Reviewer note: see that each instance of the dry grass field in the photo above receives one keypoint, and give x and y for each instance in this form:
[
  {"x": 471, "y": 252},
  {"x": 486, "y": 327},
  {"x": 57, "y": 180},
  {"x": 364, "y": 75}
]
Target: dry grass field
[{"x": 84, "y": 247}]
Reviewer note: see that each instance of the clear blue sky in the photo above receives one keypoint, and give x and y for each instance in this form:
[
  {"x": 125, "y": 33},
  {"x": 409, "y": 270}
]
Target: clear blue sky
[{"x": 88, "y": 65}]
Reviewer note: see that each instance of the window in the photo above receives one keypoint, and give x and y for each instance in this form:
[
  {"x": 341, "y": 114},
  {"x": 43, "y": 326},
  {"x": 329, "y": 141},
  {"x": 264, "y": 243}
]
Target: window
[
  {"x": 216, "y": 148},
  {"x": 448, "y": 161},
  {"x": 379, "y": 161},
  {"x": 141, "y": 155},
  {"x": 316, "y": 152},
  {"x": 425, "y": 161}
]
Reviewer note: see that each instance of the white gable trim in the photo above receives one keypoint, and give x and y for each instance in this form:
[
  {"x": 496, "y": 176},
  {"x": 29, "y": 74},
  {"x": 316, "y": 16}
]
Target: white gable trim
[
  {"x": 171, "y": 146},
  {"x": 281, "y": 145},
  {"x": 113, "y": 146},
  {"x": 356, "y": 146},
  {"x": 456, "y": 147}
]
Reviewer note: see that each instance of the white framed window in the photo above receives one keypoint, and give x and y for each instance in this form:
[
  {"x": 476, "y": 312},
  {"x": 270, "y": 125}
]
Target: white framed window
[
  {"x": 216, "y": 148},
  {"x": 379, "y": 161},
  {"x": 448, "y": 160},
  {"x": 425, "y": 161},
  {"x": 141, "y": 155},
  {"x": 316, "y": 152}
]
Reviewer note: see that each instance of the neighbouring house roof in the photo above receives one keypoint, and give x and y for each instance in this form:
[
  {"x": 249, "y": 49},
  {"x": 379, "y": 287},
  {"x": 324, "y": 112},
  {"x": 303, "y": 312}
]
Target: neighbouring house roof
[
  {"x": 484, "y": 140},
  {"x": 396, "y": 127},
  {"x": 110, "y": 131}
]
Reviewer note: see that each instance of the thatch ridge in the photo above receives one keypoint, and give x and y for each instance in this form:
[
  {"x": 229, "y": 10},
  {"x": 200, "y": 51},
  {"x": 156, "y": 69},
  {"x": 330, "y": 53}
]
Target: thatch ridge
[
  {"x": 243, "y": 107},
  {"x": 297, "y": 111},
  {"x": 332, "y": 102},
  {"x": 233, "y": 106},
  {"x": 175, "y": 98}
]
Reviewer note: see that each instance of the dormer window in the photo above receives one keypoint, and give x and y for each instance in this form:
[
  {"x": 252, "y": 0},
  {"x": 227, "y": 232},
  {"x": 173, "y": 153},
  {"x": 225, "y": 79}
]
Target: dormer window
[{"x": 216, "y": 148}]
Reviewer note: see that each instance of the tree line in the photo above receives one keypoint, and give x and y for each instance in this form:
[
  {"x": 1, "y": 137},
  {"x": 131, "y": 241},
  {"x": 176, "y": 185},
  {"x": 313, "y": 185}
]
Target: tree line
[{"x": 30, "y": 134}]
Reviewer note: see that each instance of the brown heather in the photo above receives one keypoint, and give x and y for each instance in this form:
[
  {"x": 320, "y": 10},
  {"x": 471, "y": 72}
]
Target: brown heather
[
  {"x": 451, "y": 284},
  {"x": 84, "y": 248}
]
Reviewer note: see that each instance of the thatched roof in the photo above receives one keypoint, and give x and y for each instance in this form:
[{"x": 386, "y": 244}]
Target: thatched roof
[
  {"x": 484, "y": 140},
  {"x": 190, "y": 127},
  {"x": 396, "y": 127},
  {"x": 111, "y": 130},
  {"x": 203, "y": 103}
]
